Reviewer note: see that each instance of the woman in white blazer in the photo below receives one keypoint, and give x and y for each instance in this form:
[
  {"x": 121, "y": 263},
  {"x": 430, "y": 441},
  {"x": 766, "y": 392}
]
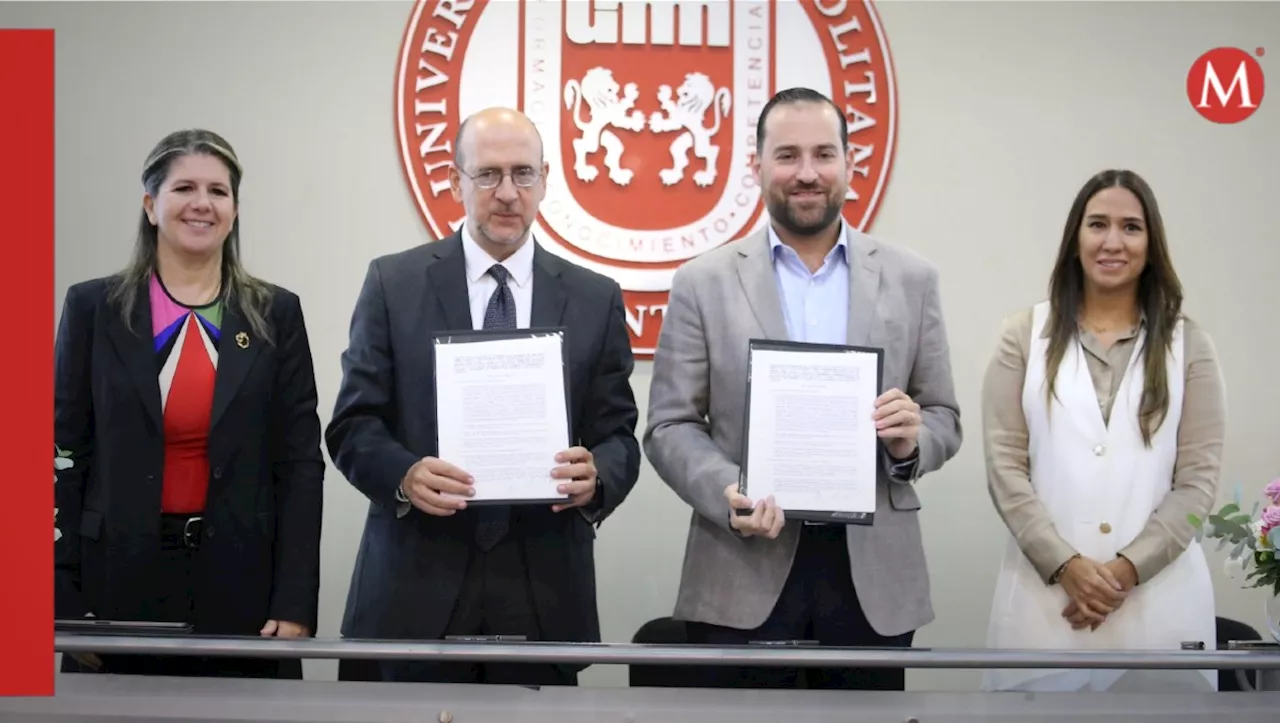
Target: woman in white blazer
[{"x": 1103, "y": 416}]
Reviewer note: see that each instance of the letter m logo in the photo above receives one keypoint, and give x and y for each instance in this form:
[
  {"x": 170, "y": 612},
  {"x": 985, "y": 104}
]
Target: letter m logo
[{"x": 1225, "y": 85}]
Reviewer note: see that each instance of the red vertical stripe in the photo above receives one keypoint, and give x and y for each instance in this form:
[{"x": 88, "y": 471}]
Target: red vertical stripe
[{"x": 26, "y": 364}]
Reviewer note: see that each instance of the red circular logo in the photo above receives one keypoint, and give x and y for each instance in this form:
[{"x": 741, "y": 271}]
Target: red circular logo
[
  {"x": 647, "y": 110},
  {"x": 1225, "y": 85}
]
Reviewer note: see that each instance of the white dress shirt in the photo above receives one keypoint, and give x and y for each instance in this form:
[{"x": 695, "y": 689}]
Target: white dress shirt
[{"x": 481, "y": 285}]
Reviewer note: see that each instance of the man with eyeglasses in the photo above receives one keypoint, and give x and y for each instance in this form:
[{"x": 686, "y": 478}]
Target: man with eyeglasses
[{"x": 428, "y": 568}]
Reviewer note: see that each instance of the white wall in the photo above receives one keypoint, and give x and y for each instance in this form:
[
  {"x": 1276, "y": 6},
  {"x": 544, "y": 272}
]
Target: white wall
[{"x": 1005, "y": 109}]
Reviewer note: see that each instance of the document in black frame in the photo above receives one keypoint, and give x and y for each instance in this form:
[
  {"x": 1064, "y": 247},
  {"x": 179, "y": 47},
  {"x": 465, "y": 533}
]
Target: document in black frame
[
  {"x": 502, "y": 411},
  {"x": 810, "y": 440}
]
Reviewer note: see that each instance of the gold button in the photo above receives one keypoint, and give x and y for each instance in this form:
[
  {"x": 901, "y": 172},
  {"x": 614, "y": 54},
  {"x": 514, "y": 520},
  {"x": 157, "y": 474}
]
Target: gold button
[
  {"x": 1105, "y": 528},
  {"x": 1100, "y": 450}
]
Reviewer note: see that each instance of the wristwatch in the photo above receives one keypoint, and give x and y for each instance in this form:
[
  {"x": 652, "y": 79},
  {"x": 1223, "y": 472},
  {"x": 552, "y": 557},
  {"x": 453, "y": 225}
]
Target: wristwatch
[{"x": 400, "y": 495}]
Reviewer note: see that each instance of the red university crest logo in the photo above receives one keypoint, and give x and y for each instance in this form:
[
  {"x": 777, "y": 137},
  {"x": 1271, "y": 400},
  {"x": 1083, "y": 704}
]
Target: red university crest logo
[{"x": 648, "y": 115}]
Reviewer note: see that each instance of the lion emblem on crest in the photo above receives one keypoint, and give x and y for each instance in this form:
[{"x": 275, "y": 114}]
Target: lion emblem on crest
[
  {"x": 694, "y": 96},
  {"x": 607, "y": 110}
]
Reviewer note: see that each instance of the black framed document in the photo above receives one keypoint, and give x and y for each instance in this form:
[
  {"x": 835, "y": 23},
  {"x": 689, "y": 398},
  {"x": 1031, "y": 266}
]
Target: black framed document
[
  {"x": 502, "y": 411},
  {"x": 810, "y": 440}
]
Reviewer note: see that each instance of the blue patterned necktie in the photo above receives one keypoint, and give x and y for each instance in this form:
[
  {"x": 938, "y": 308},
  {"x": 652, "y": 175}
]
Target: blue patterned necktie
[
  {"x": 501, "y": 312},
  {"x": 492, "y": 520}
]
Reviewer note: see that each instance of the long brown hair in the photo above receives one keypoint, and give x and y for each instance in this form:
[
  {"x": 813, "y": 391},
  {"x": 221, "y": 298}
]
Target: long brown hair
[
  {"x": 1159, "y": 295},
  {"x": 250, "y": 296}
]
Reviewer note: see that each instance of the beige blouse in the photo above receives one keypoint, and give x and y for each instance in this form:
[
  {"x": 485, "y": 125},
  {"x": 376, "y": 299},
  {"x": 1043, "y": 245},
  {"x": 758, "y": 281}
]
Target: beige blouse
[{"x": 1196, "y": 472}]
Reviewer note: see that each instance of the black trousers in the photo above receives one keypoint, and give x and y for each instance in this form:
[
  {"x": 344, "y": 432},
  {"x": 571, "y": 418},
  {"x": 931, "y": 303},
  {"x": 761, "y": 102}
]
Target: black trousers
[
  {"x": 818, "y": 602},
  {"x": 495, "y": 599},
  {"x": 173, "y": 602}
]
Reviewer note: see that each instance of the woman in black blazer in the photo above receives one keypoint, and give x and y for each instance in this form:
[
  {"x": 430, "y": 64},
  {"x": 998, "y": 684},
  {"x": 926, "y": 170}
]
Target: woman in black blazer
[{"x": 186, "y": 398}]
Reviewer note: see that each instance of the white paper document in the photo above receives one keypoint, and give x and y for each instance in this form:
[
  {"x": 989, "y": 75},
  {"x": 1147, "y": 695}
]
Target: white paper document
[
  {"x": 811, "y": 441},
  {"x": 502, "y": 414}
]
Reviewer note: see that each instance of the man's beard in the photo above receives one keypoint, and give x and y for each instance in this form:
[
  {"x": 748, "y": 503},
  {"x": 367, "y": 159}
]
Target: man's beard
[
  {"x": 498, "y": 240},
  {"x": 781, "y": 213}
]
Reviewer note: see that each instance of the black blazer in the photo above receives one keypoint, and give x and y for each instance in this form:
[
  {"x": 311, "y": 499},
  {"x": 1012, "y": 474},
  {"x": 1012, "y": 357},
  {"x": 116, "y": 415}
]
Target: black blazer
[
  {"x": 408, "y": 570},
  {"x": 260, "y": 551}
]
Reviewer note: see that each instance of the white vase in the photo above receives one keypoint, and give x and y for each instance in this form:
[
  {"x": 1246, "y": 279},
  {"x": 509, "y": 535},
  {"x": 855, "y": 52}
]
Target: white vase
[{"x": 1273, "y": 615}]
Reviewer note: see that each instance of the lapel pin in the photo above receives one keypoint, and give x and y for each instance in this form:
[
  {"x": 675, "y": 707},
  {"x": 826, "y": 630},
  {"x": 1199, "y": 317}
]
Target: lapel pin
[{"x": 242, "y": 340}]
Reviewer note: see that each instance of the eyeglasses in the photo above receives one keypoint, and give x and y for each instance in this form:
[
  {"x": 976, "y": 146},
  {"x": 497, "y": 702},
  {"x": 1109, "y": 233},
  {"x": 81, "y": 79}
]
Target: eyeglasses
[{"x": 491, "y": 177}]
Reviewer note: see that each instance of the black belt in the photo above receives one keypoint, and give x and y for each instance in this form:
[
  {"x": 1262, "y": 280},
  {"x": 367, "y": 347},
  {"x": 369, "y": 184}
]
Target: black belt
[{"x": 182, "y": 529}]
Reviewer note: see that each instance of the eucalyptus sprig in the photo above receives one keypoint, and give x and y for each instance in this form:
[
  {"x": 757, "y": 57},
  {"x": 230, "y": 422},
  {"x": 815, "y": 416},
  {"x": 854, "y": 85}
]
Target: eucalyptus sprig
[{"x": 1252, "y": 540}]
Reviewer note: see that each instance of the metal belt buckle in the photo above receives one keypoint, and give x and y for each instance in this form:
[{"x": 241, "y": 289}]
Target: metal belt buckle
[{"x": 189, "y": 538}]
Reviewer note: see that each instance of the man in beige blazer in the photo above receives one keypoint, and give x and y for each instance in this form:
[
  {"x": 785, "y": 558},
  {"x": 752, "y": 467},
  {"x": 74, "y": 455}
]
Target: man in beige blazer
[{"x": 807, "y": 277}]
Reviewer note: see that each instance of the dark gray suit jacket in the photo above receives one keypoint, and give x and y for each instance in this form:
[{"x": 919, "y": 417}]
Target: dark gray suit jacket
[{"x": 409, "y": 569}]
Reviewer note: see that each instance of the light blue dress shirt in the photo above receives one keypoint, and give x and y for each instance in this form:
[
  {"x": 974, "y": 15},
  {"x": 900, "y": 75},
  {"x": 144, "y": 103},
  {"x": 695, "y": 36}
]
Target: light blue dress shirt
[{"x": 814, "y": 303}]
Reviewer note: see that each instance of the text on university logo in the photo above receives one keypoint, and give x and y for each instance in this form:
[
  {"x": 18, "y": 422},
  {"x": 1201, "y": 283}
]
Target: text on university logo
[{"x": 648, "y": 113}]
